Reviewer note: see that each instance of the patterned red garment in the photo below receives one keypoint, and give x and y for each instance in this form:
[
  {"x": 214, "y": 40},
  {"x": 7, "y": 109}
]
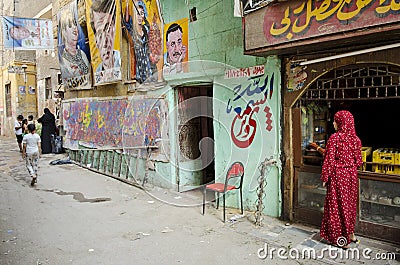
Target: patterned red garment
[{"x": 339, "y": 171}]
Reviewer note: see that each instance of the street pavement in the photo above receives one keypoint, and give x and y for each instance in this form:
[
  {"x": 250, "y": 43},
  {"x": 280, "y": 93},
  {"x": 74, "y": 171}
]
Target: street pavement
[{"x": 76, "y": 216}]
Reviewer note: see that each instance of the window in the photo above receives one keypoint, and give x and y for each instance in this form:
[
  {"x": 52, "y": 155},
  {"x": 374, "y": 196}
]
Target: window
[
  {"x": 8, "y": 89},
  {"x": 47, "y": 82},
  {"x": 59, "y": 80},
  {"x": 8, "y": 100}
]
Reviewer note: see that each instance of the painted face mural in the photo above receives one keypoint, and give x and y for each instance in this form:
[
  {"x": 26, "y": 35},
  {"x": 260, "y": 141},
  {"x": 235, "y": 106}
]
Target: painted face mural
[
  {"x": 104, "y": 31},
  {"x": 104, "y": 25},
  {"x": 143, "y": 27},
  {"x": 73, "y": 53},
  {"x": 176, "y": 39}
]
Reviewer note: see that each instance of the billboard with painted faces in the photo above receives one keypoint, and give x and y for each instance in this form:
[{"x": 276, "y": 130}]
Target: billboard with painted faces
[
  {"x": 73, "y": 53},
  {"x": 104, "y": 29},
  {"x": 175, "y": 47},
  {"x": 143, "y": 26}
]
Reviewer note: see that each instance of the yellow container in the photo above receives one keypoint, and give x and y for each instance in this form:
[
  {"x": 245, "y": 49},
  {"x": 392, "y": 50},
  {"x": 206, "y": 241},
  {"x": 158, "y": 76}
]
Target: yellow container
[
  {"x": 365, "y": 153},
  {"x": 376, "y": 158},
  {"x": 387, "y": 158},
  {"x": 397, "y": 163}
]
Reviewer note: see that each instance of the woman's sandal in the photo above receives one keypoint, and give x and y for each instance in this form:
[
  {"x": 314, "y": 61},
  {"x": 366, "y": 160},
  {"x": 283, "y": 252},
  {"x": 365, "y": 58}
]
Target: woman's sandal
[
  {"x": 342, "y": 247},
  {"x": 33, "y": 181},
  {"x": 356, "y": 241}
]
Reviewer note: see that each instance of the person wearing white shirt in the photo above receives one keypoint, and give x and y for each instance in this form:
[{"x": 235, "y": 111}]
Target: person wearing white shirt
[
  {"x": 31, "y": 152},
  {"x": 18, "y": 131}
]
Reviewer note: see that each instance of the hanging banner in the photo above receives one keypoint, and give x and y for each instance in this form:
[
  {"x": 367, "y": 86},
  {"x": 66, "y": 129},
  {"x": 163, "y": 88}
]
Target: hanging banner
[
  {"x": 175, "y": 47},
  {"x": 143, "y": 28},
  {"x": 104, "y": 29},
  {"x": 73, "y": 53},
  {"x": 27, "y": 33}
]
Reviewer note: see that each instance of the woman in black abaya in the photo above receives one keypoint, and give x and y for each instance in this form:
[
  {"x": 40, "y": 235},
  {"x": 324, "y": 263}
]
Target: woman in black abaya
[{"x": 48, "y": 122}]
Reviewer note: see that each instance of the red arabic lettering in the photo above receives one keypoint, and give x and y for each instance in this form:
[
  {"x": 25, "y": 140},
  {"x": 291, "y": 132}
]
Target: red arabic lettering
[{"x": 247, "y": 130}]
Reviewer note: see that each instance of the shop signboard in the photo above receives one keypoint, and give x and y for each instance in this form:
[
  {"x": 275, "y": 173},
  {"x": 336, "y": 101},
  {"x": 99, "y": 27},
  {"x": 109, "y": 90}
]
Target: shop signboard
[{"x": 298, "y": 20}]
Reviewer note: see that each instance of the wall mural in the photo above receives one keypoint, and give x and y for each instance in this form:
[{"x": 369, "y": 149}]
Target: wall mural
[
  {"x": 94, "y": 122},
  {"x": 104, "y": 29},
  {"x": 112, "y": 123},
  {"x": 142, "y": 124},
  {"x": 250, "y": 98},
  {"x": 143, "y": 28},
  {"x": 176, "y": 47},
  {"x": 73, "y": 53}
]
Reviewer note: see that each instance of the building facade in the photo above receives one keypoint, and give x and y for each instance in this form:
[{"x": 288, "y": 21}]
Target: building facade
[
  {"x": 336, "y": 55},
  {"x": 24, "y": 71},
  {"x": 185, "y": 124}
]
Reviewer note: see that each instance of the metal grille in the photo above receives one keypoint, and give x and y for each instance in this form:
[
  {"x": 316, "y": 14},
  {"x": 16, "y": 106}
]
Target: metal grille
[{"x": 357, "y": 83}]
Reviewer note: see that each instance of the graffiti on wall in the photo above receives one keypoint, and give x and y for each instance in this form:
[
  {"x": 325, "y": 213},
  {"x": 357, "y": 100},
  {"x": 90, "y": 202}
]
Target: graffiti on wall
[
  {"x": 95, "y": 121},
  {"x": 115, "y": 123},
  {"x": 176, "y": 51},
  {"x": 249, "y": 99},
  {"x": 142, "y": 124},
  {"x": 296, "y": 20}
]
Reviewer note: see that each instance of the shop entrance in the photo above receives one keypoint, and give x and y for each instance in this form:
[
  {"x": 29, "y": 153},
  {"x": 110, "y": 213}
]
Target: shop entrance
[
  {"x": 371, "y": 92},
  {"x": 195, "y": 136}
]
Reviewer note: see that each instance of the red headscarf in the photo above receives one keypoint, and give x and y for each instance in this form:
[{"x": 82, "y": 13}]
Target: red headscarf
[{"x": 345, "y": 122}]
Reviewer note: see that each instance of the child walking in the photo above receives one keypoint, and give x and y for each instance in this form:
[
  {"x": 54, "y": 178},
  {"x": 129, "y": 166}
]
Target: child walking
[{"x": 31, "y": 151}]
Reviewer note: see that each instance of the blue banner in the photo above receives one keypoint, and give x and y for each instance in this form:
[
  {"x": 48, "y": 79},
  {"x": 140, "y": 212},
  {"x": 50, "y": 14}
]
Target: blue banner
[{"x": 27, "y": 33}]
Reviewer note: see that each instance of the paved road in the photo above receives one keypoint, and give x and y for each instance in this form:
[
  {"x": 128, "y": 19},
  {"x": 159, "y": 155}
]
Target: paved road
[{"x": 75, "y": 216}]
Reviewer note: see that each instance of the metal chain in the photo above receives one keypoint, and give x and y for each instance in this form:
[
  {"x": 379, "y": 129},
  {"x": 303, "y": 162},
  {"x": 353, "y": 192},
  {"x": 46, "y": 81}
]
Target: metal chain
[{"x": 264, "y": 168}]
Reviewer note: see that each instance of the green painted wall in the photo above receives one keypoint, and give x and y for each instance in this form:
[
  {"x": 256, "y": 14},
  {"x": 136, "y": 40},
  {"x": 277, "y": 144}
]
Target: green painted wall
[
  {"x": 215, "y": 45},
  {"x": 216, "y": 35}
]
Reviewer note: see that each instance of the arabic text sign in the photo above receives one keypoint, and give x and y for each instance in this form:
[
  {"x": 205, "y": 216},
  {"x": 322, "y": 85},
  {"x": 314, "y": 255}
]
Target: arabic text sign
[
  {"x": 296, "y": 20},
  {"x": 247, "y": 102},
  {"x": 27, "y": 33},
  {"x": 245, "y": 72}
]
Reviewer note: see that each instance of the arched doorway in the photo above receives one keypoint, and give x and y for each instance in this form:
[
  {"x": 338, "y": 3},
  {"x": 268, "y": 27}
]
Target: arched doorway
[{"x": 371, "y": 91}]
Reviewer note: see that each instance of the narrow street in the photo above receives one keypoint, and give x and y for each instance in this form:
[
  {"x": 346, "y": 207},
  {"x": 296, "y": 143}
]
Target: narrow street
[{"x": 75, "y": 216}]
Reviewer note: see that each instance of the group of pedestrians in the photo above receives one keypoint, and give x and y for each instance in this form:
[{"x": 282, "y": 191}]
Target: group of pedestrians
[{"x": 34, "y": 139}]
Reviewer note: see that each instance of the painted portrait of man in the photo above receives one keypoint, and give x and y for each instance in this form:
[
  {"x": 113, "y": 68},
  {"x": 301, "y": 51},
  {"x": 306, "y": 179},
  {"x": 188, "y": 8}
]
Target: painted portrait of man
[
  {"x": 105, "y": 40},
  {"x": 27, "y": 33},
  {"x": 175, "y": 54}
]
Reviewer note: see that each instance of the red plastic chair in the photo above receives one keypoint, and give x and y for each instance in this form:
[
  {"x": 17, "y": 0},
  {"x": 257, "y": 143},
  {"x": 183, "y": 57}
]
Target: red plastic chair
[{"x": 236, "y": 170}]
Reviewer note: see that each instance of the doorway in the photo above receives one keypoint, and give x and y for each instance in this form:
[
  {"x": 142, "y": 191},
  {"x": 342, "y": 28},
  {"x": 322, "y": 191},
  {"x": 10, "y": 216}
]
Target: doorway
[{"x": 195, "y": 136}]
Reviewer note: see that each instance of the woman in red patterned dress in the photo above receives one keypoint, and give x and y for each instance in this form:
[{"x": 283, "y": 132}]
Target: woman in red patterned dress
[{"x": 339, "y": 176}]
